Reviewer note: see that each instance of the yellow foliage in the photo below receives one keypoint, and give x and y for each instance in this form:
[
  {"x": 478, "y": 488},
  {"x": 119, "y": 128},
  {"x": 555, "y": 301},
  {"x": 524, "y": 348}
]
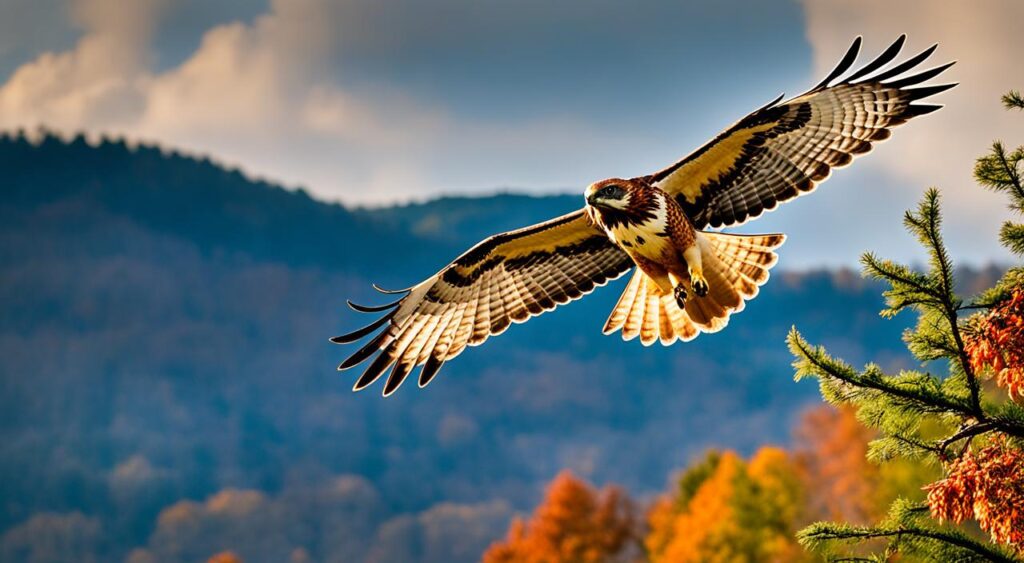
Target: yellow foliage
[{"x": 740, "y": 512}]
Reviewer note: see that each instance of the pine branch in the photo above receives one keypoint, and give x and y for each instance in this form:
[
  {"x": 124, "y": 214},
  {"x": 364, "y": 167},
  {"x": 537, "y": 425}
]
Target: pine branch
[
  {"x": 818, "y": 534},
  {"x": 1013, "y": 100},
  {"x": 1012, "y": 237},
  {"x": 815, "y": 362},
  {"x": 999, "y": 171}
]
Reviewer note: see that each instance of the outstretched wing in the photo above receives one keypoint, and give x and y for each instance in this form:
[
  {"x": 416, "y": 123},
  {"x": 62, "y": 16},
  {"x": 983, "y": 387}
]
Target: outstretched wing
[
  {"x": 505, "y": 279},
  {"x": 783, "y": 150}
]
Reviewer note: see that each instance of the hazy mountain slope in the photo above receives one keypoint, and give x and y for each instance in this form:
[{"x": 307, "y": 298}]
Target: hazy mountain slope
[{"x": 164, "y": 339}]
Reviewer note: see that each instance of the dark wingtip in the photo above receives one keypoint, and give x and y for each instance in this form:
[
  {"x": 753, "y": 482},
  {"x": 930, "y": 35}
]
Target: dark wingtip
[
  {"x": 389, "y": 291},
  {"x": 373, "y": 308},
  {"x": 919, "y": 77},
  {"x": 771, "y": 103},
  {"x": 373, "y": 372},
  {"x": 365, "y": 352},
  {"x": 844, "y": 64},
  {"x": 357, "y": 334},
  {"x": 430, "y": 370},
  {"x": 398, "y": 375},
  {"x": 926, "y": 91},
  {"x": 881, "y": 60},
  {"x": 906, "y": 65}
]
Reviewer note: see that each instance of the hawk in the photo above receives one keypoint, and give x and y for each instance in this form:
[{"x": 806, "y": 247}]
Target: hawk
[{"x": 688, "y": 279}]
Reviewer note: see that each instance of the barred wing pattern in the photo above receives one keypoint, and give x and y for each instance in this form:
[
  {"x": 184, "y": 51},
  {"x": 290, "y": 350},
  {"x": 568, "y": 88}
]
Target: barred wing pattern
[
  {"x": 783, "y": 150},
  {"x": 505, "y": 279}
]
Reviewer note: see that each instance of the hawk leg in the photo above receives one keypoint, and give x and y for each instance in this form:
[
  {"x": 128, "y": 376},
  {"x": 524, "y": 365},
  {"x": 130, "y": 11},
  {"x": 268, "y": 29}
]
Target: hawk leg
[{"x": 697, "y": 281}]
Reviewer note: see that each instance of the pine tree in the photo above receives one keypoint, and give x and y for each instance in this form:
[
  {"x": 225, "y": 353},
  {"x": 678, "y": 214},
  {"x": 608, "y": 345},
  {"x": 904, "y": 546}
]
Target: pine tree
[{"x": 969, "y": 420}]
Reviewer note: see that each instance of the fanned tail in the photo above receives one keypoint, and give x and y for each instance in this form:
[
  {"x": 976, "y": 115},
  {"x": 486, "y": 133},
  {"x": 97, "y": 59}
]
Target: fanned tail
[
  {"x": 735, "y": 267},
  {"x": 643, "y": 311}
]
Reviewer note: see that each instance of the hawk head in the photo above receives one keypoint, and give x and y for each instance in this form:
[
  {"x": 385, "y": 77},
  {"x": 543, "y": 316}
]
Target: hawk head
[
  {"x": 613, "y": 193},
  {"x": 616, "y": 201}
]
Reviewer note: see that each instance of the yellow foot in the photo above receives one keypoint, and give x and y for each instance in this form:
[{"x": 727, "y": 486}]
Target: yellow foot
[{"x": 698, "y": 283}]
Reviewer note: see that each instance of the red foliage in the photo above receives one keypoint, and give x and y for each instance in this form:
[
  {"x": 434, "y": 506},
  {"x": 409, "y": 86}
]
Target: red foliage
[
  {"x": 832, "y": 447},
  {"x": 225, "y": 557},
  {"x": 987, "y": 485},
  {"x": 574, "y": 524},
  {"x": 996, "y": 341}
]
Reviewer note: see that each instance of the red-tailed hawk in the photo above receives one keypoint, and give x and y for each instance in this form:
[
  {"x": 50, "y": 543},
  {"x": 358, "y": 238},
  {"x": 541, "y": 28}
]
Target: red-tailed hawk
[{"x": 688, "y": 279}]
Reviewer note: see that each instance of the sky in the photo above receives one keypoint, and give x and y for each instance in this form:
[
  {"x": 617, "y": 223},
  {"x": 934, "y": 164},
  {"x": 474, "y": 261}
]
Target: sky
[{"x": 372, "y": 102}]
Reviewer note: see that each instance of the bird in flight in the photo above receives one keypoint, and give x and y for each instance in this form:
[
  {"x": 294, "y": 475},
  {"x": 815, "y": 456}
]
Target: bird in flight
[{"x": 688, "y": 279}]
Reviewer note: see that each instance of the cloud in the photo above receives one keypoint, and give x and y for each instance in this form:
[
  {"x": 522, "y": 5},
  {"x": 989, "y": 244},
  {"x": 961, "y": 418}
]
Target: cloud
[
  {"x": 938, "y": 150},
  {"x": 101, "y": 81},
  {"x": 370, "y": 102},
  {"x": 340, "y": 519},
  {"x": 267, "y": 95},
  {"x": 52, "y": 537}
]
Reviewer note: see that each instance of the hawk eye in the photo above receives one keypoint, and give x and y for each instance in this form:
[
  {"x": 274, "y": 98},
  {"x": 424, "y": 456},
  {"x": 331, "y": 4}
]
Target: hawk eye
[{"x": 611, "y": 191}]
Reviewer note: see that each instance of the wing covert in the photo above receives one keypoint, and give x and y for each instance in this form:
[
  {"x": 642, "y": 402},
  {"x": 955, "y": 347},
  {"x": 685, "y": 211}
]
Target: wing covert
[
  {"x": 785, "y": 149},
  {"x": 504, "y": 279}
]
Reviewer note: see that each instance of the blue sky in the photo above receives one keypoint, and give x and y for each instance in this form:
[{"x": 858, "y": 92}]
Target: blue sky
[{"x": 371, "y": 102}]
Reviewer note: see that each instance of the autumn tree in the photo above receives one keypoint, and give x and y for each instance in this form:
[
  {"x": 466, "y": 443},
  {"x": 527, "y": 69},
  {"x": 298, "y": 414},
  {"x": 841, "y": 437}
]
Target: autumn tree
[
  {"x": 831, "y": 446},
  {"x": 968, "y": 419},
  {"x": 727, "y": 509},
  {"x": 575, "y": 523},
  {"x": 225, "y": 557}
]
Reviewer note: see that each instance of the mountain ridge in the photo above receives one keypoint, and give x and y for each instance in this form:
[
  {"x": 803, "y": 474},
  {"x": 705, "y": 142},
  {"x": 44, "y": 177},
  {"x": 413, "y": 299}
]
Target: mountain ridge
[{"x": 164, "y": 353}]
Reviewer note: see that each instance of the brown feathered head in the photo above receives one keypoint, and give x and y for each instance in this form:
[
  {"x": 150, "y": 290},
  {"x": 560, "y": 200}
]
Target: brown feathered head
[{"x": 615, "y": 200}]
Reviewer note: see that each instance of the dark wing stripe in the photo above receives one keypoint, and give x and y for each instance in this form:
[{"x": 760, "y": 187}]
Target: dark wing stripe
[
  {"x": 784, "y": 150},
  {"x": 503, "y": 280}
]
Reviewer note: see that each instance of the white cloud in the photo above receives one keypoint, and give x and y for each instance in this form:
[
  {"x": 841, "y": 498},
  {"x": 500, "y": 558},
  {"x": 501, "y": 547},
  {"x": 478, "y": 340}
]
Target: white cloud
[
  {"x": 271, "y": 95},
  {"x": 265, "y": 96},
  {"x": 101, "y": 81}
]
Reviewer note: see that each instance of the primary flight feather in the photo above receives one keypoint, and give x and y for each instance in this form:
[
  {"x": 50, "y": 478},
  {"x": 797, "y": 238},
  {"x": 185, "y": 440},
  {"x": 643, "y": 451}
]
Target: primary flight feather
[{"x": 688, "y": 280}]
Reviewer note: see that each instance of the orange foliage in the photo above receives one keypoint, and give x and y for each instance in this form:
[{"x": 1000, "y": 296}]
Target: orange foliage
[
  {"x": 739, "y": 511},
  {"x": 225, "y": 557},
  {"x": 987, "y": 485},
  {"x": 832, "y": 448},
  {"x": 996, "y": 341},
  {"x": 575, "y": 523}
]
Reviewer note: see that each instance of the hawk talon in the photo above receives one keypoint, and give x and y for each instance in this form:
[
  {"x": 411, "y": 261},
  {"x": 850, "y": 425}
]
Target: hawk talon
[
  {"x": 700, "y": 286},
  {"x": 680, "y": 295}
]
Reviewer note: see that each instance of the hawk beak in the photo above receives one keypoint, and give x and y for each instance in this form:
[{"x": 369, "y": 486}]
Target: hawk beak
[{"x": 592, "y": 198}]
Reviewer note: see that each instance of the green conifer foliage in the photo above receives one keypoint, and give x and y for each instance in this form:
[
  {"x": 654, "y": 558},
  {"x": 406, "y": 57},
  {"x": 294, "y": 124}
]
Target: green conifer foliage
[{"x": 962, "y": 409}]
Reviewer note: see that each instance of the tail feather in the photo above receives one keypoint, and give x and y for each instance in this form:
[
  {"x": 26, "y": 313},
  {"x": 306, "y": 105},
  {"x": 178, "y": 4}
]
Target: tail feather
[
  {"x": 637, "y": 305},
  {"x": 734, "y": 265},
  {"x": 625, "y": 304},
  {"x": 667, "y": 331}
]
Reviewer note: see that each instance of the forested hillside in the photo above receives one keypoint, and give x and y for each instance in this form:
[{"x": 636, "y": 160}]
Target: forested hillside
[{"x": 167, "y": 389}]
